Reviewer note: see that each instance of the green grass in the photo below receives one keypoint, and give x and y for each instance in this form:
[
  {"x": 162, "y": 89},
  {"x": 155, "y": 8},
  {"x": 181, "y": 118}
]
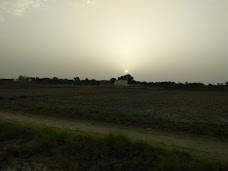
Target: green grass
[{"x": 67, "y": 151}]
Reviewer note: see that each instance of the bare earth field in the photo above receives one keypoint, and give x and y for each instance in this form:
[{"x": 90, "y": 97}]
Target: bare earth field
[
  {"x": 191, "y": 112},
  {"x": 193, "y": 121}
]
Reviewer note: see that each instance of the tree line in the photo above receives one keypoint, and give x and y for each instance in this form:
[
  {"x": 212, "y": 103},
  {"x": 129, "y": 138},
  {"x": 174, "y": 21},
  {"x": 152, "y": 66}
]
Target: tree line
[{"x": 129, "y": 79}]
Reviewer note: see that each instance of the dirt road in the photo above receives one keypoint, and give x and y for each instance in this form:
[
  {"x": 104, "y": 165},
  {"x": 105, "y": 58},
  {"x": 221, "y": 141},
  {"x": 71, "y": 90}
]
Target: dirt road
[{"x": 212, "y": 148}]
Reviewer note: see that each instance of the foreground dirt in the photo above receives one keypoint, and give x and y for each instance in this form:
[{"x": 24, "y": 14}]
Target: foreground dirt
[{"x": 203, "y": 146}]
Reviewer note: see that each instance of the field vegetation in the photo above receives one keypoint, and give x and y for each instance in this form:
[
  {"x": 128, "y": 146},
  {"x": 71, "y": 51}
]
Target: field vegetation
[
  {"x": 28, "y": 148},
  {"x": 189, "y": 112},
  {"x": 195, "y": 113}
]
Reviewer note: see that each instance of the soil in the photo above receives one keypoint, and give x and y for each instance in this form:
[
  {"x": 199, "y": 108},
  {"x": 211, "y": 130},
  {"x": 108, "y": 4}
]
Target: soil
[{"x": 203, "y": 146}]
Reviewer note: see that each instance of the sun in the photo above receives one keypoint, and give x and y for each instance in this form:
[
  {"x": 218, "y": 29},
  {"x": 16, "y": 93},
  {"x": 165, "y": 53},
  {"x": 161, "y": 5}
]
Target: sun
[{"x": 126, "y": 71}]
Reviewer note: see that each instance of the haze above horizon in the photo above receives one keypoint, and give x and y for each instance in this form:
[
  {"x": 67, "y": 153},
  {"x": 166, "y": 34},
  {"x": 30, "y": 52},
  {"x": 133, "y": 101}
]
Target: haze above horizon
[{"x": 153, "y": 40}]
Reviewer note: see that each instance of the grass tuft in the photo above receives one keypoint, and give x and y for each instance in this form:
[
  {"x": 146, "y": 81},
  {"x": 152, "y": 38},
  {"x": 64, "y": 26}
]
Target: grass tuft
[{"x": 67, "y": 151}]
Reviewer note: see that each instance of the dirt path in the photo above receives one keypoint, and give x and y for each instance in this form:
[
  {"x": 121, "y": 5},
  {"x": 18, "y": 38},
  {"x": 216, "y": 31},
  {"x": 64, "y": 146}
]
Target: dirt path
[{"x": 212, "y": 148}]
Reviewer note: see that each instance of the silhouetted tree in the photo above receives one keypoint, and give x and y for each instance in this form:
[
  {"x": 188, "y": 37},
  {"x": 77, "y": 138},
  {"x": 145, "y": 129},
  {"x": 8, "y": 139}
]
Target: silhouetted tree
[
  {"x": 77, "y": 79},
  {"x": 23, "y": 78},
  {"x": 127, "y": 77},
  {"x": 112, "y": 80},
  {"x": 55, "y": 80}
]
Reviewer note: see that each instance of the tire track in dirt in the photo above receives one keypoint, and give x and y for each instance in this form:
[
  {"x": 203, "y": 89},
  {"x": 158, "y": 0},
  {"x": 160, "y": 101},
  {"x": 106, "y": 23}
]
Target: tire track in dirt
[{"x": 212, "y": 148}]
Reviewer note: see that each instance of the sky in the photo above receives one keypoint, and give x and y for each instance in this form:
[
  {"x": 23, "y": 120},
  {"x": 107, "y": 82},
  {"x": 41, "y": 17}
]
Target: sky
[{"x": 154, "y": 40}]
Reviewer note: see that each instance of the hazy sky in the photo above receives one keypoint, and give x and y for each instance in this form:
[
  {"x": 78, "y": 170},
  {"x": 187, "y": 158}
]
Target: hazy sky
[{"x": 155, "y": 40}]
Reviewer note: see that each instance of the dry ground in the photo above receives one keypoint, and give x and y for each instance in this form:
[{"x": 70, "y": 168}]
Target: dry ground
[
  {"x": 169, "y": 104},
  {"x": 194, "y": 121},
  {"x": 212, "y": 148}
]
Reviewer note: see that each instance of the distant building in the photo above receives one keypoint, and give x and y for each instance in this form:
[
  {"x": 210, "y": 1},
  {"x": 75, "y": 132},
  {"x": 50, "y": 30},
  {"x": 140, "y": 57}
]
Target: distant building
[{"x": 121, "y": 83}]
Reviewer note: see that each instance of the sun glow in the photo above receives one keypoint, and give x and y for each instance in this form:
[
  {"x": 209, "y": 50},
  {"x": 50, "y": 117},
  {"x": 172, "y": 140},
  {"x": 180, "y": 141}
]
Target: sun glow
[{"x": 126, "y": 48}]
